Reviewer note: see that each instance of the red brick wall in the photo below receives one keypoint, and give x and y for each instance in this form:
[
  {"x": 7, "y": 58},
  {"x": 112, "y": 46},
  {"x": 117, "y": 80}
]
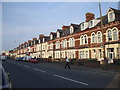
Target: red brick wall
[{"x": 88, "y": 32}]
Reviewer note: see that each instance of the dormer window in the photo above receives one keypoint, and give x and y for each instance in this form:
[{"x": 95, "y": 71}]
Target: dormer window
[
  {"x": 43, "y": 39},
  {"x": 34, "y": 43},
  {"x": 82, "y": 26},
  {"x": 58, "y": 34},
  {"x": 51, "y": 37},
  {"x": 111, "y": 16},
  {"x": 25, "y": 45},
  {"x": 71, "y": 29},
  {"x": 39, "y": 40},
  {"x": 90, "y": 24},
  {"x": 31, "y": 43}
]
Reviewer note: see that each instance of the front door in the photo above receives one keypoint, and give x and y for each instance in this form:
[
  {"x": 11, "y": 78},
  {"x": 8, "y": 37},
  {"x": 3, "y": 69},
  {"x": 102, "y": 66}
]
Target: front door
[{"x": 110, "y": 55}]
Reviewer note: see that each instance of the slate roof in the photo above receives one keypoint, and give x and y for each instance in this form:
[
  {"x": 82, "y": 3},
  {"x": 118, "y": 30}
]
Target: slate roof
[
  {"x": 77, "y": 27},
  {"x": 54, "y": 34},
  {"x": 47, "y": 38},
  {"x": 60, "y": 30},
  {"x": 115, "y": 10},
  {"x": 105, "y": 18}
]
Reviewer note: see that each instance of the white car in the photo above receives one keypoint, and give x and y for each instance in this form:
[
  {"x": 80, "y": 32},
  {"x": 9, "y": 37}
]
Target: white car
[
  {"x": 27, "y": 58},
  {"x": 24, "y": 58}
]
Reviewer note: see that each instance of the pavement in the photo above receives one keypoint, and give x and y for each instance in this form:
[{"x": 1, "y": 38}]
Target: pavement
[{"x": 80, "y": 67}]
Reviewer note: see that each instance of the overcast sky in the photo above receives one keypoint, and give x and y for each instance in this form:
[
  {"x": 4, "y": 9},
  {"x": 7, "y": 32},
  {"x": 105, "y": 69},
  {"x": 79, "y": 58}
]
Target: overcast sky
[{"x": 21, "y": 21}]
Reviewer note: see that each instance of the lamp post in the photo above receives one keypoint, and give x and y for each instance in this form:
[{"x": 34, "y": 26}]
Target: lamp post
[
  {"x": 103, "y": 39},
  {"x": 18, "y": 48}
]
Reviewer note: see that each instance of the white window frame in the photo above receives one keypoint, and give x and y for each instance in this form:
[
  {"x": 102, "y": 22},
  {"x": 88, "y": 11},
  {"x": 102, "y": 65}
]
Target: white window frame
[
  {"x": 39, "y": 40},
  {"x": 86, "y": 54},
  {"x": 117, "y": 35},
  {"x": 91, "y": 25},
  {"x": 51, "y": 37},
  {"x": 34, "y": 42},
  {"x": 109, "y": 34},
  {"x": 112, "y": 34},
  {"x": 62, "y": 44},
  {"x": 58, "y": 34},
  {"x": 43, "y": 39},
  {"x": 113, "y": 16},
  {"x": 81, "y": 39},
  {"x": 82, "y": 26},
  {"x": 99, "y": 38},
  {"x": 82, "y": 55},
  {"x": 65, "y": 43},
  {"x": 31, "y": 43},
  {"x": 92, "y": 38},
  {"x": 42, "y": 46},
  {"x": 85, "y": 39},
  {"x": 51, "y": 45},
  {"x": 71, "y": 42},
  {"x": 94, "y": 53},
  {"x": 57, "y": 44},
  {"x": 71, "y": 29}
]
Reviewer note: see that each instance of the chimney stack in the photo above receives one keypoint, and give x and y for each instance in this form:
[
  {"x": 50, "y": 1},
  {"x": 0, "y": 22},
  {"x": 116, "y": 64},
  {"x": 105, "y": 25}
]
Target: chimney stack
[
  {"x": 89, "y": 16},
  {"x": 34, "y": 39},
  {"x": 29, "y": 40},
  {"x": 65, "y": 27},
  {"x": 41, "y": 35}
]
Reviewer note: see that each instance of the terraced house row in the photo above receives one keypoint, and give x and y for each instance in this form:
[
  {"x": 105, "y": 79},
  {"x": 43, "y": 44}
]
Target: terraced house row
[{"x": 87, "y": 40}]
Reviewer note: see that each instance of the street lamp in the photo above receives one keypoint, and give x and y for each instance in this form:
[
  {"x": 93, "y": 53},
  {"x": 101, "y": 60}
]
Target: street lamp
[
  {"x": 103, "y": 39},
  {"x": 18, "y": 48}
]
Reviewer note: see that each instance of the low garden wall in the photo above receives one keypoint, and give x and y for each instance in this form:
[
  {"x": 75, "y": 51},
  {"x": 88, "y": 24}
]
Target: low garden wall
[
  {"x": 89, "y": 62},
  {"x": 93, "y": 63}
]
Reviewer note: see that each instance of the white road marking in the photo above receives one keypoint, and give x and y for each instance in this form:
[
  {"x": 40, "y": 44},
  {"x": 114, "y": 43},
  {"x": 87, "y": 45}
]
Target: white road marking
[
  {"x": 26, "y": 66},
  {"x": 39, "y": 70},
  {"x": 71, "y": 80}
]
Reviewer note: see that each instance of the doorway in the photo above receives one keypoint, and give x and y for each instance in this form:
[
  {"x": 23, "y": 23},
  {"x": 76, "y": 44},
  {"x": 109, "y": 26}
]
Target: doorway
[{"x": 110, "y": 55}]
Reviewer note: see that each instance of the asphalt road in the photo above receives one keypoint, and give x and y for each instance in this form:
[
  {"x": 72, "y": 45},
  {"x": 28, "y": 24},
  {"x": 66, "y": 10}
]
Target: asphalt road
[{"x": 48, "y": 75}]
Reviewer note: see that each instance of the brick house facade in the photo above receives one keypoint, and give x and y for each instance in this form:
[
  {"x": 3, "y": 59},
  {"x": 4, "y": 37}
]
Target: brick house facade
[{"x": 82, "y": 41}]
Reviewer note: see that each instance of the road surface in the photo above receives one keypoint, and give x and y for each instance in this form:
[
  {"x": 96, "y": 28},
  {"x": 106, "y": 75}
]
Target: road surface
[{"x": 49, "y": 75}]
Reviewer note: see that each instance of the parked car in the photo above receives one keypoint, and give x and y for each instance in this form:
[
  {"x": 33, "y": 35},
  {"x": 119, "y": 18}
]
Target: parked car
[
  {"x": 5, "y": 79},
  {"x": 27, "y": 58},
  {"x": 19, "y": 59},
  {"x": 32, "y": 60},
  {"x": 24, "y": 58}
]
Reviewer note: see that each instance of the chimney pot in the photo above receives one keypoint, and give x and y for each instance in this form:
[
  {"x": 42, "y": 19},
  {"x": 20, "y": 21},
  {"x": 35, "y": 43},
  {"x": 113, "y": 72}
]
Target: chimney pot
[
  {"x": 89, "y": 16},
  {"x": 41, "y": 35}
]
